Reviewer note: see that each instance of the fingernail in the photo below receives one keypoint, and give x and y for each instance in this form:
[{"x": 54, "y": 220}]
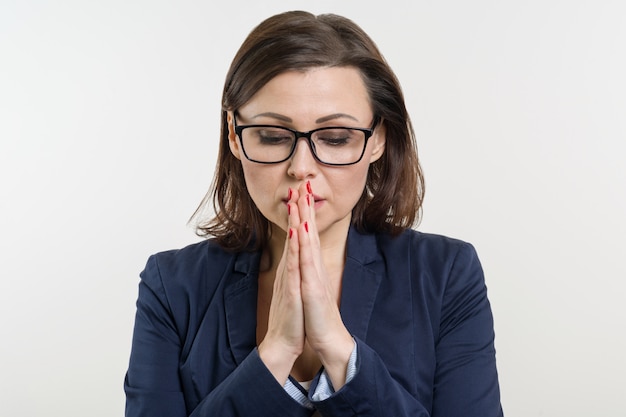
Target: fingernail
[
  {"x": 308, "y": 200},
  {"x": 306, "y": 226},
  {"x": 288, "y": 208},
  {"x": 290, "y": 192},
  {"x": 308, "y": 187},
  {"x": 290, "y": 233}
]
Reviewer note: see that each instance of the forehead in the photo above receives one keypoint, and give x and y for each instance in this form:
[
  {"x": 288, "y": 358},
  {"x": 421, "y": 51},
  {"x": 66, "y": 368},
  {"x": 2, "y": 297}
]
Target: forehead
[{"x": 312, "y": 94}]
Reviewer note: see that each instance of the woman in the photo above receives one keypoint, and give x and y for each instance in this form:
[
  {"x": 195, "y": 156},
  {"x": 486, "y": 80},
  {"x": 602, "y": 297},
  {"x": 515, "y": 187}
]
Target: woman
[{"x": 313, "y": 295}]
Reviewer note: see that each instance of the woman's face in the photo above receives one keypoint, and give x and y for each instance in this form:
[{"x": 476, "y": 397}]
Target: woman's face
[{"x": 304, "y": 101}]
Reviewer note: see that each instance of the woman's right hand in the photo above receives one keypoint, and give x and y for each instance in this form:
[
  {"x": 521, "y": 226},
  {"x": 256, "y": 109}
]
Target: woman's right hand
[{"x": 285, "y": 337}]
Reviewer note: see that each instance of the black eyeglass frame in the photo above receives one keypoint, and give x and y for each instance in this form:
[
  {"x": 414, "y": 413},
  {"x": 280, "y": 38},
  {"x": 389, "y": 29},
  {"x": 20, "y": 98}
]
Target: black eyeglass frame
[{"x": 308, "y": 135}]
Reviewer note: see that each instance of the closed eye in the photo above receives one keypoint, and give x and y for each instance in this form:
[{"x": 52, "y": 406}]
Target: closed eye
[
  {"x": 334, "y": 141},
  {"x": 273, "y": 137},
  {"x": 334, "y": 137}
]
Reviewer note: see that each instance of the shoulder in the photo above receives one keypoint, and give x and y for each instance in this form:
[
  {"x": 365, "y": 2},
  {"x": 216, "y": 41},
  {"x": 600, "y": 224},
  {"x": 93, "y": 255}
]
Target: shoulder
[
  {"x": 197, "y": 255},
  {"x": 413, "y": 253},
  {"x": 438, "y": 260},
  {"x": 424, "y": 246},
  {"x": 188, "y": 268}
]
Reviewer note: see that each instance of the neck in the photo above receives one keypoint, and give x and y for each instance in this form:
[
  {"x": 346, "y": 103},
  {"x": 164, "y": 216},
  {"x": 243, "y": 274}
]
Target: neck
[{"x": 333, "y": 241}]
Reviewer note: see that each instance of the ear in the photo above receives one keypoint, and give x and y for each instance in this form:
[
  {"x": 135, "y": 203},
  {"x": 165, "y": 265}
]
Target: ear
[
  {"x": 379, "y": 139},
  {"x": 233, "y": 143}
]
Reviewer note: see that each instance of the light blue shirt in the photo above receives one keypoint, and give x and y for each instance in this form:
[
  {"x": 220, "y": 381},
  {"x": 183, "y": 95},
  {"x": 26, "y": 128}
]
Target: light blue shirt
[{"x": 324, "y": 387}]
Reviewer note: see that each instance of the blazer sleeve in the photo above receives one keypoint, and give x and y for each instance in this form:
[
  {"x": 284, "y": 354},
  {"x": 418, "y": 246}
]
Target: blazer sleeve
[
  {"x": 465, "y": 381},
  {"x": 372, "y": 392},
  {"x": 153, "y": 386}
]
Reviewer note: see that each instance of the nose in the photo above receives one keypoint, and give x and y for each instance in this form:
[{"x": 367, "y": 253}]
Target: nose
[{"x": 302, "y": 163}]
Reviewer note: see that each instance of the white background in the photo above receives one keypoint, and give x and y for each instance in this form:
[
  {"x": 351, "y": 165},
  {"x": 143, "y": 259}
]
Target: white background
[{"x": 109, "y": 121}]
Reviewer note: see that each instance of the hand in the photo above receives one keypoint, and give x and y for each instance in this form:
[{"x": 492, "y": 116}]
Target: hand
[
  {"x": 304, "y": 302},
  {"x": 284, "y": 341},
  {"x": 325, "y": 332}
]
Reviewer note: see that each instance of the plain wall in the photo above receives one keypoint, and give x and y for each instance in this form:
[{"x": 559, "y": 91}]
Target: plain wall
[{"x": 109, "y": 121}]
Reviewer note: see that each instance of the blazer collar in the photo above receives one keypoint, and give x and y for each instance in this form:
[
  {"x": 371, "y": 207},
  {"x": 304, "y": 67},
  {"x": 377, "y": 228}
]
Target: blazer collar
[
  {"x": 240, "y": 302},
  {"x": 362, "y": 276}
]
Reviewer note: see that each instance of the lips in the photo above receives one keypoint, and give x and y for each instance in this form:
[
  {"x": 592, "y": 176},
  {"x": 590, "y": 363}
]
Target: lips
[
  {"x": 319, "y": 203},
  {"x": 316, "y": 198}
]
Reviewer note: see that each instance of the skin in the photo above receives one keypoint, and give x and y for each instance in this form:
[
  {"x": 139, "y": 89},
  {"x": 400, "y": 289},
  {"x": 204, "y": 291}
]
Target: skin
[{"x": 309, "y": 206}]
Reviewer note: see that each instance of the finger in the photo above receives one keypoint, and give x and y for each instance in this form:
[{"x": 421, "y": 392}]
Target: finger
[
  {"x": 305, "y": 203},
  {"x": 312, "y": 271},
  {"x": 289, "y": 261},
  {"x": 288, "y": 273},
  {"x": 293, "y": 210},
  {"x": 292, "y": 262},
  {"x": 309, "y": 258},
  {"x": 306, "y": 207}
]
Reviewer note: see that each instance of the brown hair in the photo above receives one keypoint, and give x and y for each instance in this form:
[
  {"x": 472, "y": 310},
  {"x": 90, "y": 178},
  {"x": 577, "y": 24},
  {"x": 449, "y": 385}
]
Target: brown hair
[{"x": 393, "y": 193}]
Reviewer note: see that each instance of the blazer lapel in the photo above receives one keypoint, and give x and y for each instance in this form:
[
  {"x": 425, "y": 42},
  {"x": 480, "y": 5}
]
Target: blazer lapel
[
  {"x": 362, "y": 276},
  {"x": 240, "y": 302}
]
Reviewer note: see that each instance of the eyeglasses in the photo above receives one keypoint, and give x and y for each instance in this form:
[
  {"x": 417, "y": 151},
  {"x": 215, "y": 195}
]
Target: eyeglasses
[{"x": 268, "y": 144}]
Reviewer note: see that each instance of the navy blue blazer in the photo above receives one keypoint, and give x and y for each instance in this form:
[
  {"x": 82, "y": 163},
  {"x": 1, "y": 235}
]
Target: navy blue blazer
[{"x": 416, "y": 305}]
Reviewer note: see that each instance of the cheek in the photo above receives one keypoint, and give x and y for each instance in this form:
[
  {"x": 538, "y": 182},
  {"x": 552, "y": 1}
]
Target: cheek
[
  {"x": 261, "y": 181},
  {"x": 254, "y": 180},
  {"x": 353, "y": 183}
]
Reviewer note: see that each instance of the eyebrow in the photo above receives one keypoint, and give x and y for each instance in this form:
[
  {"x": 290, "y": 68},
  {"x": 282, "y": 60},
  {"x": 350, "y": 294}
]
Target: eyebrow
[{"x": 320, "y": 120}]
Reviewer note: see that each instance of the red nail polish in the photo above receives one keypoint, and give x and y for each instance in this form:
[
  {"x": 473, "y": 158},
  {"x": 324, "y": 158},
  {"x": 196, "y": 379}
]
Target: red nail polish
[
  {"x": 289, "y": 195},
  {"x": 290, "y": 233},
  {"x": 288, "y": 208},
  {"x": 306, "y": 226},
  {"x": 308, "y": 200},
  {"x": 308, "y": 187}
]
